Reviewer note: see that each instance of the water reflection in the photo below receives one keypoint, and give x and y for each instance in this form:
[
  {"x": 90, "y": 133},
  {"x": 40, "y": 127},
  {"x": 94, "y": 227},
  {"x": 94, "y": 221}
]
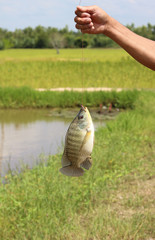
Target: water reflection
[{"x": 25, "y": 134}]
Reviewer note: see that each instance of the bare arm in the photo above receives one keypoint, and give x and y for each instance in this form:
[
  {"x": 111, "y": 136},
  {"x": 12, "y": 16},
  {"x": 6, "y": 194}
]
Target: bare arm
[{"x": 94, "y": 20}]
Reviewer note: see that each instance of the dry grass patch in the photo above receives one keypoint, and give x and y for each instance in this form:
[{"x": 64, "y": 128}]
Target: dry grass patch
[{"x": 126, "y": 212}]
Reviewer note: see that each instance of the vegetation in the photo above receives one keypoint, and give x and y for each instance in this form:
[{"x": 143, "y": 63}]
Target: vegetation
[
  {"x": 25, "y": 97},
  {"x": 113, "y": 200},
  {"x": 99, "y": 68},
  {"x": 41, "y": 37}
]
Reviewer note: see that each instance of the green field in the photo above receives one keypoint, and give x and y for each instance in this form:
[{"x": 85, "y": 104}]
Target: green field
[
  {"x": 115, "y": 199},
  {"x": 65, "y": 54},
  {"x": 112, "y": 201},
  {"x": 98, "y": 68}
]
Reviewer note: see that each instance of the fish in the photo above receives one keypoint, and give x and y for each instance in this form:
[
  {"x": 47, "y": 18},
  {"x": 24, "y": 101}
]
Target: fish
[{"x": 79, "y": 142}]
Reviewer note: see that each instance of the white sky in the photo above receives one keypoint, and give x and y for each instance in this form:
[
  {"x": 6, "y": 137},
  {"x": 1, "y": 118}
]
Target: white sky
[{"x": 23, "y": 13}]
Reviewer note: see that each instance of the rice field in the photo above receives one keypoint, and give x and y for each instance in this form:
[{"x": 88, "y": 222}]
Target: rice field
[{"x": 47, "y": 69}]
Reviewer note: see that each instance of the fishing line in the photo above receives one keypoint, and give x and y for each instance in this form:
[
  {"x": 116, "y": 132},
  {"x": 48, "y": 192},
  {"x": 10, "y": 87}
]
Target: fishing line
[
  {"x": 82, "y": 72},
  {"x": 82, "y": 66}
]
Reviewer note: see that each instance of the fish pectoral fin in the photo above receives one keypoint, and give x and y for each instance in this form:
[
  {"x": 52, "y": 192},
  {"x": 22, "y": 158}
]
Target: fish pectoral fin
[
  {"x": 87, "y": 163},
  {"x": 86, "y": 138},
  {"x": 88, "y": 129},
  {"x": 72, "y": 171},
  {"x": 64, "y": 161}
]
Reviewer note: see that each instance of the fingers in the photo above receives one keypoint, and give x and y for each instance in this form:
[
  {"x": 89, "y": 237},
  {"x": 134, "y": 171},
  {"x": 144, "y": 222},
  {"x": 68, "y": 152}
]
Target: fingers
[
  {"x": 82, "y": 21},
  {"x": 89, "y": 9},
  {"x": 84, "y": 27},
  {"x": 81, "y": 14}
]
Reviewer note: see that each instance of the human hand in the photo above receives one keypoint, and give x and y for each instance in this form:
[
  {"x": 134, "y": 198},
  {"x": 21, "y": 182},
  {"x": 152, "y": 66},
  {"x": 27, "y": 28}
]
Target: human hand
[{"x": 92, "y": 19}]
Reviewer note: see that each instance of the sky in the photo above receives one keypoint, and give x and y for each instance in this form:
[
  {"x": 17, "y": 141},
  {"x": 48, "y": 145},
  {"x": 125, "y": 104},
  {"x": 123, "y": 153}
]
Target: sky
[{"x": 15, "y": 14}]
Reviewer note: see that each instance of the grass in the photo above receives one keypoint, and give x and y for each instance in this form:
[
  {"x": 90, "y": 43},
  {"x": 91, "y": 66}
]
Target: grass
[
  {"x": 46, "y": 69},
  {"x": 25, "y": 97},
  {"x": 114, "y": 200},
  {"x": 65, "y": 55}
]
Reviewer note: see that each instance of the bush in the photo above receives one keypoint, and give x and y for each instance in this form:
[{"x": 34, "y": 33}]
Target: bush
[{"x": 1, "y": 45}]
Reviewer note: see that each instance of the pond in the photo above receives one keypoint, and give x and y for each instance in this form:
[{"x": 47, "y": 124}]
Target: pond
[{"x": 25, "y": 135}]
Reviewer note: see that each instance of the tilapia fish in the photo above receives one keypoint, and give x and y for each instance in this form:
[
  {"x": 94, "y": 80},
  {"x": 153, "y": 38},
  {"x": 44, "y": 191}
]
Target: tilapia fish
[{"x": 78, "y": 145}]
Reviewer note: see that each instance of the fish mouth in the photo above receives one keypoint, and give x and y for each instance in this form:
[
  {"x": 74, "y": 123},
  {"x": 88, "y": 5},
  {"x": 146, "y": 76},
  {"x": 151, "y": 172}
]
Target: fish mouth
[{"x": 83, "y": 108}]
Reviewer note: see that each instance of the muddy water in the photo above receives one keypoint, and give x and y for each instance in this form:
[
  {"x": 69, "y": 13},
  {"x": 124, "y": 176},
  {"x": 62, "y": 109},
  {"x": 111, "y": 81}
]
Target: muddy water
[{"x": 27, "y": 134}]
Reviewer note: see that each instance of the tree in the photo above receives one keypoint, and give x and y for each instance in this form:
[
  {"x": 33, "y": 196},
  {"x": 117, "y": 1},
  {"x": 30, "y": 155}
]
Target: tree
[
  {"x": 79, "y": 43},
  {"x": 69, "y": 40},
  {"x": 57, "y": 41},
  {"x": 41, "y": 37},
  {"x": 29, "y": 42},
  {"x": 41, "y": 41},
  {"x": 18, "y": 38},
  {"x": 64, "y": 30},
  {"x": 29, "y": 32},
  {"x": 1, "y": 45}
]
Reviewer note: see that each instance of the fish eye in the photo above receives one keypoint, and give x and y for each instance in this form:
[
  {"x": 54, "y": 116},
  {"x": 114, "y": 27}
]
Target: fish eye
[{"x": 81, "y": 117}]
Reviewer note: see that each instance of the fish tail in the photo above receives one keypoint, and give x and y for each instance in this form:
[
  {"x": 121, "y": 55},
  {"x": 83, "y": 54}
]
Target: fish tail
[{"x": 72, "y": 171}]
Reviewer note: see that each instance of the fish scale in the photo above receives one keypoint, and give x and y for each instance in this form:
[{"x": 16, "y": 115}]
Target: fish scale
[{"x": 73, "y": 150}]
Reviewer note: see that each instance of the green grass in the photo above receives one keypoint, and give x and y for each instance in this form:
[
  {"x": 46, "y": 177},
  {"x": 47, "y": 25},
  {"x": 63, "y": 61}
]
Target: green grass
[
  {"x": 65, "y": 54},
  {"x": 25, "y": 97},
  {"x": 46, "y": 69},
  {"x": 114, "y": 200}
]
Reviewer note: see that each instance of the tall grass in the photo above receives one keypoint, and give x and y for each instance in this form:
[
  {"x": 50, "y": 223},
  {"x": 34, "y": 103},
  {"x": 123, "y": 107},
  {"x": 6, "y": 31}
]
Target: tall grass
[
  {"x": 113, "y": 200},
  {"x": 26, "y": 97},
  {"x": 102, "y": 68}
]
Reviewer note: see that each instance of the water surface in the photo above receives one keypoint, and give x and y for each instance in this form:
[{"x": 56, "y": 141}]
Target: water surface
[{"x": 27, "y": 134}]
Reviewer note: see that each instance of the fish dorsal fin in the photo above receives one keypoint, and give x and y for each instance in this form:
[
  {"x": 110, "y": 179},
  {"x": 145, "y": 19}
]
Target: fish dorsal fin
[
  {"x": 64, "y": 161},
  {"x": 87, "y": 163}
]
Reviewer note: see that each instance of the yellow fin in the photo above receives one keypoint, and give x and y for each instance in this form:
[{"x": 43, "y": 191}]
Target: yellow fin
[
  {"x": 72, "y": 171},
  {"x": 87, "y": 136}
]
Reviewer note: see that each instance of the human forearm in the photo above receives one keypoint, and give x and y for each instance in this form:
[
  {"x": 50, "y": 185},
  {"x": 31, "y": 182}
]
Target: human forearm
[
  {"x": 140, "y": 48},
  {"x": 94, "y": 20}
]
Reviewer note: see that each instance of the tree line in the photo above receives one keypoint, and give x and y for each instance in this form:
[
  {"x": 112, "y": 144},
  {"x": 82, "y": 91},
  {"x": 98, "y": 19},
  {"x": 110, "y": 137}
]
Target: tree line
[{"x": 42, "y": 37}]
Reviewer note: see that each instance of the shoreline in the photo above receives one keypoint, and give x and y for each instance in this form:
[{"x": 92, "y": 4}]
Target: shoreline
[{"x": 26, "y": 97}]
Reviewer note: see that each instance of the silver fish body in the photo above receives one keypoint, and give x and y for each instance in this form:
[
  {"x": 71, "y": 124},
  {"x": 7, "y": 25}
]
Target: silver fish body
[{"x": 78, "y": 145}]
